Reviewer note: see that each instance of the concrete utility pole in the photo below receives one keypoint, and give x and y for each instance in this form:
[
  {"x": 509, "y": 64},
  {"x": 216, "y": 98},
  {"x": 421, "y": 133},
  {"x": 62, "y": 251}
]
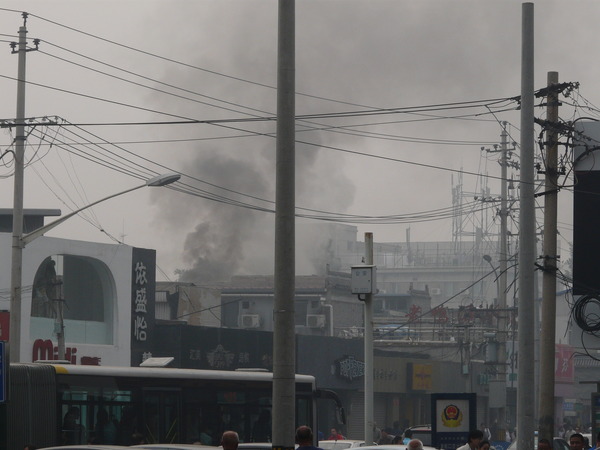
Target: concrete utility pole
[
  {"x": 526, "y": 386},
  {"x": 17, "y": 231},
  {"x": 369, "y": 415},
  {"x": 284, "y": 350},
  {"x": 548, "y": 328},
  {"x": 502, "y": 336}
]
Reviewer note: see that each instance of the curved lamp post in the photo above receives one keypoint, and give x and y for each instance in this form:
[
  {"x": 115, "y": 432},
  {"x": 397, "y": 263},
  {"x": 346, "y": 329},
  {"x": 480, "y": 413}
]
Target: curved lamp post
[{"x": 24, "y": 239}]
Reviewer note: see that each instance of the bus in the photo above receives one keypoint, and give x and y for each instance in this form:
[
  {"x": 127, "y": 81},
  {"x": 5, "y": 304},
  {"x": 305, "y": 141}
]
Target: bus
[{"x": 55, "y": 404}]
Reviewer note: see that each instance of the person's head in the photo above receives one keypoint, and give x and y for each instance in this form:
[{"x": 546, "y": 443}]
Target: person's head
[
  {"x": 230, "y": 440},
  {"x": 544, "y": 444},
  {"x": 408, "y": 433},
  {"x": 475, "y": 437},
  {"x": 333, "y": 430},
  {"x": 576, "y": 441},
  {"x": 304, "y": 436},
  {"x": 414, "y": 444},
  {"x": 485, "y": 445}
]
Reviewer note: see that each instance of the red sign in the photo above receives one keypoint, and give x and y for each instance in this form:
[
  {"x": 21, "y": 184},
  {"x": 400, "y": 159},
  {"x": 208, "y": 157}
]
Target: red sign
[
  {"x": 563, "y": 364},
  {"x": 4, "y": 325}
]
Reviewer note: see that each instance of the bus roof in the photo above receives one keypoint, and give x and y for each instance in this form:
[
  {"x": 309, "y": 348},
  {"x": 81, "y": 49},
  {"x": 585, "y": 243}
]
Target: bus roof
[{"x": 166, "y": 372}]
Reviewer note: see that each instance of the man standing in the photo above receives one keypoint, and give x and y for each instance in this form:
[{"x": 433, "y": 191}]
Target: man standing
[
  {"x": 304, "y": 438},
  {"x": 475, "y": 437},
  {"x": 387, "y": 437},
  {"x": 576, "y": 441},
  {"x": 544, "y": 444},
  {"x": 487, "y": 434},
  {"x": 230, "y": 440},
  {"x": 335, "y": 436}
]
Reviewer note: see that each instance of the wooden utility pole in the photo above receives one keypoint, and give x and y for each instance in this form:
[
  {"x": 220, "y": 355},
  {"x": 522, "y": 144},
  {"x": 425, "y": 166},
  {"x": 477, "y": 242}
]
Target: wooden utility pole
[{"x": 548, "y": 326}]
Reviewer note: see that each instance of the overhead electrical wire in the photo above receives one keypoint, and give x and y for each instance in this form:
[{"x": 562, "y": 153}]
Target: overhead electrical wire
[{"x": 131, "y": 168}]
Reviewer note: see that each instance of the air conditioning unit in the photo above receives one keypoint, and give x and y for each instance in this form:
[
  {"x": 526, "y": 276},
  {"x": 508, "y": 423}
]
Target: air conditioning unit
[
  {"x": 435, "y": 291},
  {"x": 249, "y": 321},
  {"x": 315, "y": 320}
]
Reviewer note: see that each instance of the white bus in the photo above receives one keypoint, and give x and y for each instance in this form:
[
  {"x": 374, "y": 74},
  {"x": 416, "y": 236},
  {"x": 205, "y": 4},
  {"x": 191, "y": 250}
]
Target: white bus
[{"x": 53, "y": 404}]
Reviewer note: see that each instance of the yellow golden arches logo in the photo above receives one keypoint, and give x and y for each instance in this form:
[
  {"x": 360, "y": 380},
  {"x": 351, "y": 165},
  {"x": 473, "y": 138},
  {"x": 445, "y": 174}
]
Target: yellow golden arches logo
[{"x": 452, "y": 416}]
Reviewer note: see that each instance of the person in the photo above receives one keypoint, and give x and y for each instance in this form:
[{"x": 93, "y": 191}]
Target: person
[
  {"x": 387, "y": 437},
  {"x": 73, "y": 431},
  {"x": 376, "y": 433},
  {"x": 230, "y": 440},
  {"x": 414, "y": 444},
  {"x": 544, "y": 444},
  {"x": 576, "y": 441},
  {"x": 598, "y": 441},
  {"x": 206, "y": 435},
  {"x": 485, "y": 445},
  {"x": 106, "y": 430},
  {"x": 408, "y": 434},
  {"x": 261, "y": 431},
  {"x": 475, "y": 437},
  {"x": 487, "y": 434},
  {"x": 396, "y": 428},
  {"x": 304, "y": 438},
  {"x": 335, "y": 436}
]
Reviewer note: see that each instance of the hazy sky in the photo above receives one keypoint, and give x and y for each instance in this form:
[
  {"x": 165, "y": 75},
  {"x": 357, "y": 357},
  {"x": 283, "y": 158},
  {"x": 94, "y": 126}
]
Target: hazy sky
[{"x": 103, "y": 63}]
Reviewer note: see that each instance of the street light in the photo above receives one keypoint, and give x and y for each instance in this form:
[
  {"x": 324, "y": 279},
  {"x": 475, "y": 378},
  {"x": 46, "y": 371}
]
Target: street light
[{"x": 19, "y": 242}]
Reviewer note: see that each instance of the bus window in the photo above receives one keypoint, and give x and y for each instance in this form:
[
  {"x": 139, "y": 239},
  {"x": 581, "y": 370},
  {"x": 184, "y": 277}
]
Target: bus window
[{"x": 161, "y": 410}]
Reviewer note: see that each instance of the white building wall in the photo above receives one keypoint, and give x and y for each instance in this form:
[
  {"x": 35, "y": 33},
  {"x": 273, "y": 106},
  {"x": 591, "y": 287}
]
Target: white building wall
[{"x": 118, "y": 260}]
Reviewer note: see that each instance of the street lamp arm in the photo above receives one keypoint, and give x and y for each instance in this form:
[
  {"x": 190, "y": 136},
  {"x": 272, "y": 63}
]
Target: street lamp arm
[
  {"x": 160, "y": 180},
  {"x": 27, "y": 238}
]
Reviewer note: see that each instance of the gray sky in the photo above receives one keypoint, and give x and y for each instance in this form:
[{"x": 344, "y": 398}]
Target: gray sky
[{"x": 351, "y": 56}]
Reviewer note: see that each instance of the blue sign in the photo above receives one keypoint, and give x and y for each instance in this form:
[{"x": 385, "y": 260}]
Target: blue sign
[{"x": 452, "y": 417}]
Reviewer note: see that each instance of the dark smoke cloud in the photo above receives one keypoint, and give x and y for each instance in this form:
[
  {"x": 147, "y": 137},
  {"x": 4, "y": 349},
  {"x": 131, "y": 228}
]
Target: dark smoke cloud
[{"x": 223, "y": 240}]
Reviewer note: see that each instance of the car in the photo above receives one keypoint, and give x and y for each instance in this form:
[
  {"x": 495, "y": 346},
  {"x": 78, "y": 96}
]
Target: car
[
  {"x": 341, "y": 444},
  {"x": 255, "y": 446},
  {"x": 85, "y": 447},
  {"x": 392, "y": 447},
  {"x": 558, "y": 443},
  {"x": 174, "y": 446},
  {"x": 421, "y": 432}
]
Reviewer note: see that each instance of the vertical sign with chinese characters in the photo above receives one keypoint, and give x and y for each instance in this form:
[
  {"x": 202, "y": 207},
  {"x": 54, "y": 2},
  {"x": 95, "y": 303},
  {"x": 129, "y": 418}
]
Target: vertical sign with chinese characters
[{"x": 143, "y": 289}]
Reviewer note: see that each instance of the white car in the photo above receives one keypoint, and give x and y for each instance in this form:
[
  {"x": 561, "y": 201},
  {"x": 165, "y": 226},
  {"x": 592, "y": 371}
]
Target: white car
[{"x": 341, "y": 444}]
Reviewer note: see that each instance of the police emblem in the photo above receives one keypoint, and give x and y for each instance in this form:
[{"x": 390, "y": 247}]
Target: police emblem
[{"x": 452, "y": 416}]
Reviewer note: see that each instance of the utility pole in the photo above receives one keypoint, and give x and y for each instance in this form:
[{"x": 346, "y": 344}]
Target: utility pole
[
  {"x": 527, "y": 244},
  {"x": 502, "y": 279},
  {"x": 548, "y": 327},
  {"x": 17, "y": 228},
  {"x": 368, "y": 337},
  {"x": 284, "y": 345}
]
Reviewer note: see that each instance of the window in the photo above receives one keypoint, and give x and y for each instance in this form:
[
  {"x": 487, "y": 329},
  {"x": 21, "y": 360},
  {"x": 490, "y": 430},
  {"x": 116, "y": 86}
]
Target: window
[{"x": 83, "y": 288}]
